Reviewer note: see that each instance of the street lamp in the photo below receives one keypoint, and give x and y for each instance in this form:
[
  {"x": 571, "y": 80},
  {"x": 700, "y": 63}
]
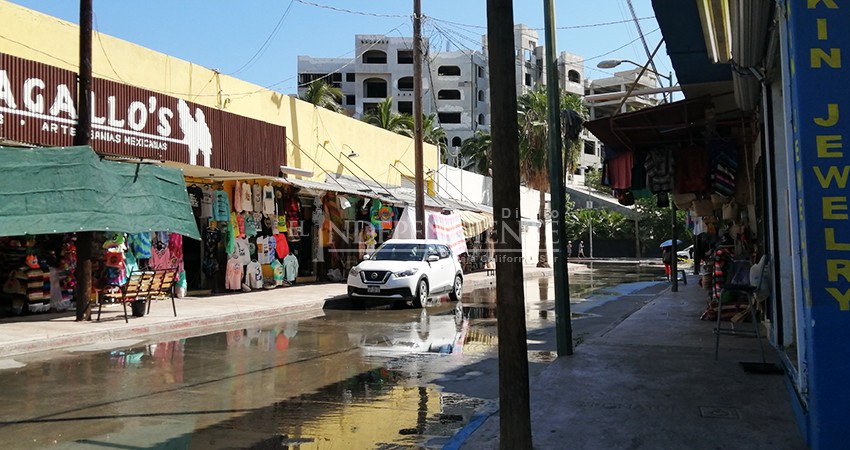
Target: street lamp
[{"x": 612, "y": 63}]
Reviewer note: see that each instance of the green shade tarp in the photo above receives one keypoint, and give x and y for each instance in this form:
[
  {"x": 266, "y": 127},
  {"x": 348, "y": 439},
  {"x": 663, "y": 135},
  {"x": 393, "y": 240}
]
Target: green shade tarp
[{"x": 71, "y": 189}]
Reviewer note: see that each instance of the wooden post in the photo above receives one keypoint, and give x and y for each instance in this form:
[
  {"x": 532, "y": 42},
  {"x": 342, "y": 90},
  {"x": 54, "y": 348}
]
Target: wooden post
[
  {"x": 82, "y": 137},
  {"x": 417, "y": 120},
  {"x": 514, "y": 405}
]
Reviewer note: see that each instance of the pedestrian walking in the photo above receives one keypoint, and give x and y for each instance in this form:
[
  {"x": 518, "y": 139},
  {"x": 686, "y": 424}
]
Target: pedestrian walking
[
  {"x": 667, "y": 259},
  {"x": 581, "y": 249},
  {"x": 569, "y": 248}
]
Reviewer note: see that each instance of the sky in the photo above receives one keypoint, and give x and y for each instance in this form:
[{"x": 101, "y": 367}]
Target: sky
[{"x": 260, "y": 40}]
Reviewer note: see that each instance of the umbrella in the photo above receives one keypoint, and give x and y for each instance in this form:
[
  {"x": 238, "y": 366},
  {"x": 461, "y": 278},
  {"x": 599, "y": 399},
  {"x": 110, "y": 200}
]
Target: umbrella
[{"x": 669, "y": 243}]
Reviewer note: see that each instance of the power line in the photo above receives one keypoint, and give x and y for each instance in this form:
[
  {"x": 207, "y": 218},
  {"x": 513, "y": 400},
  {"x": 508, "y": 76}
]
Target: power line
[
  {"x": 567, "y": 27},
  {"x": 265, "y": 45},
  {"x": 350, "y": 11}
]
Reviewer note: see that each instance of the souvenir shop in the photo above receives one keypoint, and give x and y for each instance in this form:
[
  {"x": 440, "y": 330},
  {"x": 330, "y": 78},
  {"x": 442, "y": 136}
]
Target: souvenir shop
[
  {"x": 711, "y": 176},
  {"x": 38, "y": 249},
  {"x": 266, "y": 232}
]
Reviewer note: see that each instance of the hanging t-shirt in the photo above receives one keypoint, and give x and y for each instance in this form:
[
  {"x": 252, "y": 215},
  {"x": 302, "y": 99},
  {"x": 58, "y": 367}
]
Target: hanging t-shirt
[
  {"x": 247, "y": 202},
  {"x": 262, "y": 250},
  {"x": 175, "y": 246},
  {"x": 268, "y": 200},
  {"x": 281, "y": 246},
  {"x": 211, "y": 237},
  {"x": 233, "y": 274},
  {"x": 254, "y": 275},
  {"x": 240, "y": 224},
  {"x": 160, "y": 258},
  {"x": 290, "y": 266},
  {"x": 243, "y": 251},
  {"x": 207, "y": 195},
  {"x": 257, "y": 197},
  {"x": 386, "y": 215},
  {"x": 140, "y": 245},
  {"x": 221, "y": 206},
  {"x": 277, "y": 272},
  {"x": 195, "y": 196},
  {"x": 237, "y": 197},
  {"x": 250, "y": 227}
]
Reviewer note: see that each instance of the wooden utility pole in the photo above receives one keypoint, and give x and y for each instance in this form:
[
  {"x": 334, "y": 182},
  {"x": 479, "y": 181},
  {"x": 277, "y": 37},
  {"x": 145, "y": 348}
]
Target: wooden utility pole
[
  {"x": 417, "y": 119},
  {"x": 514, "y": 404},
  {"x": 563, "y": 326},
  {"x": 82, "y": 273}
]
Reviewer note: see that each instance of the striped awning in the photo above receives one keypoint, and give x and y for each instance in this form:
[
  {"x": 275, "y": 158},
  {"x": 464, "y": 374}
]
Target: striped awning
[{"x": 474, "y": 223}]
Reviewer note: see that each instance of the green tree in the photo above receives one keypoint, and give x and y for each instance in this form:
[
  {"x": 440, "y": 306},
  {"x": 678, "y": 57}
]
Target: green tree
[
  {"x": 533, "y": 148},
  {"x": 384, "y": 117},
  {"x": 323, "y": 95},
  {"x": 433, "y": 133},
  {"x": 476, "y": 154}
]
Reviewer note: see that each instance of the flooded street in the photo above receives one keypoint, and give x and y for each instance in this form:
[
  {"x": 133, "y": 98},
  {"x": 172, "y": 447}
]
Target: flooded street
[{"x": 374, "y": 377}]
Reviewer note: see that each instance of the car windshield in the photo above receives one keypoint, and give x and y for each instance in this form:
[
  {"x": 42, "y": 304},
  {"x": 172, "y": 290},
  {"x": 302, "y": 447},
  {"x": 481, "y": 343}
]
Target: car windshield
[{"x": 400, "y": 252}]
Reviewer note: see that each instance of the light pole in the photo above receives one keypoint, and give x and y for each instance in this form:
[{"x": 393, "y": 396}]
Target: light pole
[{"x": 612, "y": 63}]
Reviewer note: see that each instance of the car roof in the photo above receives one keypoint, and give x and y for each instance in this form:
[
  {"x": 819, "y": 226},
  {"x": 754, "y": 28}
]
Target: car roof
[{"x": 414, "y": 241}]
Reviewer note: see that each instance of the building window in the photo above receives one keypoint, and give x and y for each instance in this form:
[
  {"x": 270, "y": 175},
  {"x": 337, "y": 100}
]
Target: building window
[
  {"x": 405, "y": 108},
  {"x": 449, "y": 117},
  {"x": 307, "y": 78},
  {"x": 375, "y": 88},
  {"x": 574, "y": 76},
  {"x": 481, "y": 96},
  {"x": 349, "y": 77},
  {"x": 528, "y": 79},
  {"x": 370, "y": 108},
  {"x": 448, "y": 71},
  {"x": 480, "y": 71},
  {"x": 589, "y": 148},
  {"x": 448, "y": 94},
  {"x": 405, "y": 56},
  {"x": 336, "y": 77},
  {"x": 405, "y": 84},
  {"x": 456, "y": 141},
  {"x": 481, "y": 119},
  {"x": 375, "y": 57},
  {"x": 350, "y": 99}
]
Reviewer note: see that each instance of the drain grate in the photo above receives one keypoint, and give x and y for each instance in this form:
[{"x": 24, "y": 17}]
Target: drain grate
[{"x": 719, "y": 412}]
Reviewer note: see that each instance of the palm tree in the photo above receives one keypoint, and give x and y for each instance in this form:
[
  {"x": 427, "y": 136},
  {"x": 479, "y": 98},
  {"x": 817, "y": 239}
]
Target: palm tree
[
  {"x": 384, "y": 117},
  {"x": 323, "y": 95},
  {"x": 475, "y": 153},
  {"x": 433, "y": 133},
  {"x": 533, "y": 147},
  {"x": 534, "y": 171}
]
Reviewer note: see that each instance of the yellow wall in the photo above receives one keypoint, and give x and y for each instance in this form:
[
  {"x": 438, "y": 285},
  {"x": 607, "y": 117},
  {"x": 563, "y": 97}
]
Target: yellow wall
[{"x": 31, "y": 35}]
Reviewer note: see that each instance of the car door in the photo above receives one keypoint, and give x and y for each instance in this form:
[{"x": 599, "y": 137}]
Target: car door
[
  {"x": 447, "y": 269},
  {"x": 436, "y": 277}
]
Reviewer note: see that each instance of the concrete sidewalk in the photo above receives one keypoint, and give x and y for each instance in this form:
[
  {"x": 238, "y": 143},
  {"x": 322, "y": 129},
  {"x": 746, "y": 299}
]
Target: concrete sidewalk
[
  {"x": 651, "y": 382},
  {"x": 195, "y": 316}
]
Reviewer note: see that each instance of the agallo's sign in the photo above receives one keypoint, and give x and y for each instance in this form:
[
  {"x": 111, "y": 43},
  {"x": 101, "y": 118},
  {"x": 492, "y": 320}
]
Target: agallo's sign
[{"x": 37, "y": 106}]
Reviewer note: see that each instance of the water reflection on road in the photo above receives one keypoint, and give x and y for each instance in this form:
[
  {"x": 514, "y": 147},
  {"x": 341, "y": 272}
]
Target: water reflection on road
[{"x": 347, "y": 379}]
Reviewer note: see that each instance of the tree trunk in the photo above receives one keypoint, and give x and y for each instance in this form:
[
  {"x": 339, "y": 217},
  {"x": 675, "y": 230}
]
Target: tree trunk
[{"x": 542, "y": 254}]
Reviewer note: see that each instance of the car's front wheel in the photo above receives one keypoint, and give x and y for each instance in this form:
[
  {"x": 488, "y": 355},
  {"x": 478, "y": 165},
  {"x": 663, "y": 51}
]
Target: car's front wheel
[
  {"x": 420, "y": 297},
  {"x": 457, "y": 289}
]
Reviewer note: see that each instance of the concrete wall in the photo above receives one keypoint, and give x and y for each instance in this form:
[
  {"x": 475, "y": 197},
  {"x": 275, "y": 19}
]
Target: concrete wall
[{"x": 39, "y": 37}]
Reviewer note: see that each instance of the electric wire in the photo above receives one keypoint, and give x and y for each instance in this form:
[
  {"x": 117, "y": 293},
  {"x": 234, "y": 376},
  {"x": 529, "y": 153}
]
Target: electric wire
[{"x": 251, "y": 61}]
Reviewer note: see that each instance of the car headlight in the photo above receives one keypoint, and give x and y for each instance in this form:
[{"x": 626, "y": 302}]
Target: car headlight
[
  {"x": 354, "y": 271},
  {"x": 406, "y": 273}
]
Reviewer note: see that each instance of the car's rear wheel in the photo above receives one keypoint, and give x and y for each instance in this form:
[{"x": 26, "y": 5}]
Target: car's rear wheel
[
  {"x": 421, "y": 295},
  {"x": 457, "y": 289}
]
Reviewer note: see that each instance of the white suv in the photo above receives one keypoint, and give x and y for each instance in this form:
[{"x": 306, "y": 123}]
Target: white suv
[{"x": 414, "y": 269}]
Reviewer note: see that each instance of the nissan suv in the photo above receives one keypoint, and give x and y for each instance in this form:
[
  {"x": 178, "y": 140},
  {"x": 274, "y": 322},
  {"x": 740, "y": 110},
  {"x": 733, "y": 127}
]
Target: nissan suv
[{"x": 408, "y": 269}]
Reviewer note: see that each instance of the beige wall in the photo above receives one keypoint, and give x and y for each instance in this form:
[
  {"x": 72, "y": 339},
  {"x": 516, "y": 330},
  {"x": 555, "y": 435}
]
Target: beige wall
[{"x": 38, "y": 37}]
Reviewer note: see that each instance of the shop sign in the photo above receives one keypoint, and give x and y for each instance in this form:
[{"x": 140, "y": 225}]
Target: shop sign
[{"x": 38, "y": 106}]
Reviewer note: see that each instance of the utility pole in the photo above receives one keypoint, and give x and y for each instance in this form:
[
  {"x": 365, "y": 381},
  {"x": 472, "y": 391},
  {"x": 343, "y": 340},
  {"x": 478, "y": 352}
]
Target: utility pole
[
  {"x": 417, "y": 119},
  {"x": 82, "y": 137},
  {"x": 674, "y": 260},
  {"x": 514, "y": 404},
  {"x": 563, "y": 330}
]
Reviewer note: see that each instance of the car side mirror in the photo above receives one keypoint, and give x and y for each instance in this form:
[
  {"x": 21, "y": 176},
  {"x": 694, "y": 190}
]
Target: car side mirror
[
  {"x": 366, "y": 256},
  {"x": 433, "y": 258}
]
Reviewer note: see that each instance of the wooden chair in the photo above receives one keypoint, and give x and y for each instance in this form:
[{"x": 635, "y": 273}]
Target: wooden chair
[{"x": 144, "y": 285}]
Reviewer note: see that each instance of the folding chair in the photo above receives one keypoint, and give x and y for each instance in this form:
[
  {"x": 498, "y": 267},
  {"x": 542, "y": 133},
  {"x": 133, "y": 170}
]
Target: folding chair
[{"x": 752, "y": 291}]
